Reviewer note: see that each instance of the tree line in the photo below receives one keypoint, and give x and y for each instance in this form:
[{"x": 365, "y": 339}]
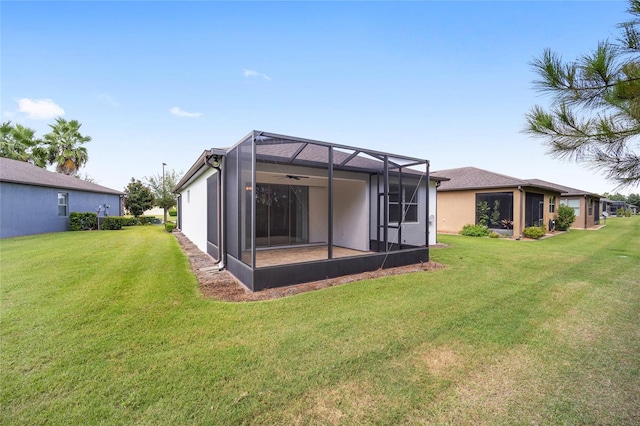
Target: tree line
[{"x": 63, "y": 147}]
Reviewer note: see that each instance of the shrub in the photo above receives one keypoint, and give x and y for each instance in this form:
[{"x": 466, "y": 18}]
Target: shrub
[
  {"x": 534, "y": 232},
  {"x": 82, "y": 221},
  {"x": 482, "y": 213},
  {"x": 129, "y": 220},
  {"x": 173, "y": 212},
  {"x": 148, "y": 220},
  {"x": 475, "y": 231},
  {"x": 111, "y": 223},
  {"x": 566, "y": 216},
  {"x": 169, "y": 226},
  {"x": 495, "y": 235}
]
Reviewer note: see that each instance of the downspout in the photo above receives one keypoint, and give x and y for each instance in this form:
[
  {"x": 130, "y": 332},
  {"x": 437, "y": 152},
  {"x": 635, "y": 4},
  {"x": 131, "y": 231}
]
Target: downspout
[
  {"x": 586, "y": 211},
  {"x": 221, "y": 239},
  {"x": 428, "y": 201},
  {"x": 521, "y": 219}
]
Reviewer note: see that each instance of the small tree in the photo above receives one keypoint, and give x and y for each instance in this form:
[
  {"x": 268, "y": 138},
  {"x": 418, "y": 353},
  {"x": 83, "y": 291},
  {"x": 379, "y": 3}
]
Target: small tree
[
  {"x": 595, "y": 106},
  {"x": 495, "y": 214},
  {"x": 138, "y": 197},
  {"x": 566, "y": 216},
  {"x": 161, "y": 187},
  {"x": 64, "y": 145},
  {"x": 482, "y": 213}
]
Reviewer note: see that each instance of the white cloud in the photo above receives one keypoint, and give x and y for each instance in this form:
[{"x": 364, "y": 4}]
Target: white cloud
[
  {"x": 251, "y": 74},
  {"x": 182, "y": 113},
  {"x": 40, "y": 109}
]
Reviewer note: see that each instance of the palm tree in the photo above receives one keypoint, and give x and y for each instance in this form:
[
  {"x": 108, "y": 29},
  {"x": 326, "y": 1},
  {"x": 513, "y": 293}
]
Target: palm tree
[
  {"x": 18, "y": 142},
  {"x": 64, "y": 146}
]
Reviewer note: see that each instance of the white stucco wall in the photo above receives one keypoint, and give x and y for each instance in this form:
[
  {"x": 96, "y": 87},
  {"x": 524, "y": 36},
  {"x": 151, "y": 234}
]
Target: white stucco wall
[
  {"x": 194, "y": 210},
  {"x": 318, "y": 215},
  {"x": 432, "y": 213},
  {"x": 412, "y": 233},
  {"x": 350, "y": 214}
]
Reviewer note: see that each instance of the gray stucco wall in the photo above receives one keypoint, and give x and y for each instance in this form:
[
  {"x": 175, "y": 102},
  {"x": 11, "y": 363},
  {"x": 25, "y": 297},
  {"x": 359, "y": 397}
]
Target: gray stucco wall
[{"x": 27, "y": 209}]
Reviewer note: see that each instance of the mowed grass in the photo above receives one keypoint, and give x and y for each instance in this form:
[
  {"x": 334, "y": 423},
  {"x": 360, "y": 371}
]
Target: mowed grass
[{"x": 109, "y": 327}]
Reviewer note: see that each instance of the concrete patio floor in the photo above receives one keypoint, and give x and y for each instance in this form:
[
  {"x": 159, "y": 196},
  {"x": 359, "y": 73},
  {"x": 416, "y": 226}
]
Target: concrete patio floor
[{"x": 283, "y": 256}]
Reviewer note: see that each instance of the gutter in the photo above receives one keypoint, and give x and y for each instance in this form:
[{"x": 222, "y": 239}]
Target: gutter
[{"x": 215, "y": 160}]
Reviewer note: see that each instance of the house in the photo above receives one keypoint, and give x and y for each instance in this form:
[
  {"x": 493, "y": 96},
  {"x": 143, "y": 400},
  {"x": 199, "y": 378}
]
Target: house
[
  {"x": 505, "y": 204},
  {"x": 278, "y": 210},
  {"x": 614, "y": 206},
  {"x": 586, "y": 205},
  {"x": 36, "y": 201}
]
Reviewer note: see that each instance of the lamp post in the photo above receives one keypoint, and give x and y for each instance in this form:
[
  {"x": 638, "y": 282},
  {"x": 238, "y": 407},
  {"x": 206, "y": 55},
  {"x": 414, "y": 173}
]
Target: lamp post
[{"x": 164, "y": 193}]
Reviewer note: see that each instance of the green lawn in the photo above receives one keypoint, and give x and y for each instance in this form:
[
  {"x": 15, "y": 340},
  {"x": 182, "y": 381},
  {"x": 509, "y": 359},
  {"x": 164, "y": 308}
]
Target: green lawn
[{"x": 109, "y": 327}]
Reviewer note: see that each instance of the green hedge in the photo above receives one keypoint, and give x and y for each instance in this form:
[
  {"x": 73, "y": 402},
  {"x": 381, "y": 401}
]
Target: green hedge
[
  {"x": 82, "y": 221},
  {"x": 111, "y": 223},
  {"x": 173, "y": 212}
]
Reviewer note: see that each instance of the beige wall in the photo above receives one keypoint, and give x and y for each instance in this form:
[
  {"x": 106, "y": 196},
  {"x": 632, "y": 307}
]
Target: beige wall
[
  {"x": 584, "y": 219},
  {"x": 458, "y": 208}
]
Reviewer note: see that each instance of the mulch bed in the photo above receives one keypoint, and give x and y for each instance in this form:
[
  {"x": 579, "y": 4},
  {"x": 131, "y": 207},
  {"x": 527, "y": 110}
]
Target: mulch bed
[{"x": 221, "y": 285}]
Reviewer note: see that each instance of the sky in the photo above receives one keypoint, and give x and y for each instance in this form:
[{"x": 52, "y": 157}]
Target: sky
[{"x": 160, "y": 82}]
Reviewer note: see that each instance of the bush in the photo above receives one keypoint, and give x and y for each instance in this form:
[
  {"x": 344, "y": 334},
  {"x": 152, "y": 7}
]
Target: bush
[
  {"x": 82, "y": 221},
  {"x": 173, "y": 212},
  {"x": 128, "y": 220},
  {"x": 475, "y": 231},
  {"x": 495, "y": 235},
  {"x": 566, "y": 216},
  {"x": 111, "y": 223},
  {"x": 169, "y": 226},
  {"x": 148, "y": 220},
  {"x": 534, "y": 232}
]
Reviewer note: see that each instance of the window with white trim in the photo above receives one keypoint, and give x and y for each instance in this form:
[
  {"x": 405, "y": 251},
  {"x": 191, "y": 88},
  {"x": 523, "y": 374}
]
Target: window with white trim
[
  {"x": 409, "y": 199},
  {"x": 552, "y": 203},
  {"x": 63, "y": 204},
  {"x": 573, "y": 203}
]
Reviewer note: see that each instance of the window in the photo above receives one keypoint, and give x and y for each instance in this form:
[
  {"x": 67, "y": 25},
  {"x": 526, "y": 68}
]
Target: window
[
  {"x": 409, "y": 199},
  {"x": 282, "y": 215},
  {"x": 63, "y": 204},
  {"x": 495, "y": 210},
  {"x": 573, "y": 203},
  {"x": 590, "y": 207},
  {"x": 552, "y": 203}
]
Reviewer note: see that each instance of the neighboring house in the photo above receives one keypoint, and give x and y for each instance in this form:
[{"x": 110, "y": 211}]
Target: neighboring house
[
  {"x": 277, "y": 210},
  {"x": 586, "y": 205},
  {"x": 36, "y": 201},
  {"x": 506, "y": 204},
  {"x": 605, "y": 207}
]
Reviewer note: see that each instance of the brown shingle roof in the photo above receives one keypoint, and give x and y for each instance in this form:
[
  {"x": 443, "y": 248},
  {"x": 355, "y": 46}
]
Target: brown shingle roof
[
  {"x": 567, "y": 191},
  {"x": 474, "y": 178},
  {"x": 25, "y": 173}
]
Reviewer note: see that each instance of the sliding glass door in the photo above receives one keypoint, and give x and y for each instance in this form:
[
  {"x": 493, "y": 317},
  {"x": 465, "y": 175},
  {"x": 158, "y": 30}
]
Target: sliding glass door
[{"x": 282, "y": 215}]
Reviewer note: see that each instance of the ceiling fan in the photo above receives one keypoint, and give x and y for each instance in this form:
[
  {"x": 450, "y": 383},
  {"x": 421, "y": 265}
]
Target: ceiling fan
[{"x": 294, "y": 177}]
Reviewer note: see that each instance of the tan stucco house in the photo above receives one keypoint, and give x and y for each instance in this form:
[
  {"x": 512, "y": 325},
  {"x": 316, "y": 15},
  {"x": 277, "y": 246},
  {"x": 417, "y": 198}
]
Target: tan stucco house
[
  {"x": 586, "y": 205},
  {"x": 509, "y": 204}
]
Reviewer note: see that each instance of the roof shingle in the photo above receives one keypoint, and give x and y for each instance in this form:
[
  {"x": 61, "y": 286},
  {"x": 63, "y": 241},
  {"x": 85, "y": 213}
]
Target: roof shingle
[{"x": 25, "y": 173}]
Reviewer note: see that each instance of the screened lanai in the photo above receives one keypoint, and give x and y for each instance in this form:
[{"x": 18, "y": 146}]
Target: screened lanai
[{"x": 295, "y": 210}]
